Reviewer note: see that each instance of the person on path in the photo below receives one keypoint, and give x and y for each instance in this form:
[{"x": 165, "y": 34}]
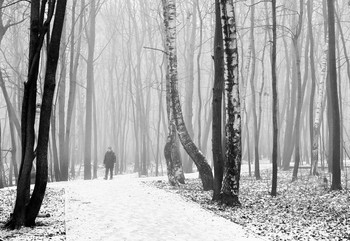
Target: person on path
[{"x": 109, "y": 161}]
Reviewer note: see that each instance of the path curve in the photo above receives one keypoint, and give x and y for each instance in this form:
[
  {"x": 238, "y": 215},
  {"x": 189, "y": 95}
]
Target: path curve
[{"x": 126, "y": 209}]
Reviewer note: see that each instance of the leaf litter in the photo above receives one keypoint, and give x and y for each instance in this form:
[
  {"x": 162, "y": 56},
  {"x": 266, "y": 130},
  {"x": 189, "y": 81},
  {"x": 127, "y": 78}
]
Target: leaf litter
[
  {"x": 303, "y": 210},
  {"x": 50, "y": 225}
]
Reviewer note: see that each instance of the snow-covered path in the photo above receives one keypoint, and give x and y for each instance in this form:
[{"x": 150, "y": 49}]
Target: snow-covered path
[{"x": 126, "y": 209}]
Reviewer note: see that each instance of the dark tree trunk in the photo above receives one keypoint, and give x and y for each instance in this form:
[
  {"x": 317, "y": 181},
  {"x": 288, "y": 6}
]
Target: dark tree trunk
[
  {"x": 62, "y": 106},
  {"x": 218, "y": 158},
  {"x": 45, "y": 114},
  {"x": 26, "y": 207},
  {"x": 334, "y": 105},
  {"x": 275, "y": 101},
  {"x": 28, "y": 119}
]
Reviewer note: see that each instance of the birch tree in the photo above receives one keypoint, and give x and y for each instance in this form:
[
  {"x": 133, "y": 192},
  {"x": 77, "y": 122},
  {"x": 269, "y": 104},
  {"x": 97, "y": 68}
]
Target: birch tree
[
  {"x": 230, "y": 187},
  {"x": 186, "y": 141},
  {"x": 171, "y": 149}
]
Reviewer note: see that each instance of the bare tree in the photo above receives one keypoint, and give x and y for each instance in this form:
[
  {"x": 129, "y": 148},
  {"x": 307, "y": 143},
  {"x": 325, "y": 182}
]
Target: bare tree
[
  {"x": 89, "y": 90},
  {"x": 275, "y": 101},
  {"x": 171, "y": 149},
  {"x": 186, "y": 141},
  {"x": 73, "y": 69},
  {"x": 299, "y": 91},
  {"x": 218, "y": 158},
  {"x": 334, "y": 105},
  {"x": 252, "y": 78},
  {"x": 27, "y": 207},
  {"x": 230, "y": 187},
  {"x": 313, "y": 76}
]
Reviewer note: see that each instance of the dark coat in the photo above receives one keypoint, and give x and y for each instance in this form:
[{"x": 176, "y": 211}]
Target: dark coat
[{"x": 110, "y": 159}]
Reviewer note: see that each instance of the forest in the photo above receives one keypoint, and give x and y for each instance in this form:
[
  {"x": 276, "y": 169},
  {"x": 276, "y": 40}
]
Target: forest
[{"x": 235, "y": 90}]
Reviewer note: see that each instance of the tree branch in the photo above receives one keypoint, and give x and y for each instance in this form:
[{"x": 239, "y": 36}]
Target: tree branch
[{"x": 156, "y": 50}]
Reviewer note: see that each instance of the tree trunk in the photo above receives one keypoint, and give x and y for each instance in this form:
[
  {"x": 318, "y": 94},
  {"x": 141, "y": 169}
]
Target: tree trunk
[
  {"x": 171, "y": 149},
  {"x": 334, "y": 105},
  {"x": 89, "y": 91},
  {"x": 299, "y": 94},
  {"x": 94, "y": 173},
  {"x": 73, "y": 69},
  {"x": 188, "y": 108},
  {"x": 2, "y": 176},
  {"x": 218, "y": 158},
  {"x": 61, "y": 107},
  {"x": 56, "y": 165},
  {"x": 27, "y": 121},
  {"x": 11, "y": 111},
  {"x": 199, "y": 76},
  {"x": 252, "y": 86},
  {"x": 26, "y": 207},
  {"x": 274, "y": 100},
  {"x": 186, "y": 141},
  {"x": 13, "y": 152},
  {"x": 230, "y": 187},
  {"x": 313, "y": 77}
]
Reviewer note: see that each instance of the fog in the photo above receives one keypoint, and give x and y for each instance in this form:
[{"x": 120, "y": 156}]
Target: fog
[{"x": 128, "y": 79}]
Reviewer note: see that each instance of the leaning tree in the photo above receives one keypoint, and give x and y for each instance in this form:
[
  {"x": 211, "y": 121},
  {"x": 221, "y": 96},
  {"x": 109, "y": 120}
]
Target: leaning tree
[
  {"x": 198, "y": 158},
  {"x": 41, "y": 15}
]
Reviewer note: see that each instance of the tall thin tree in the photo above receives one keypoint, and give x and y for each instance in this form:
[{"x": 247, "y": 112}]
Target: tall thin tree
[
  {"x": 230, "y": 187},
  {"x": 27, "y": 207},
  {"x": 218, "y": 158},
  {"x": 275, "y": 101},
  {"x": 89, "y": 91},
  {"x": 334, "y": 105}
]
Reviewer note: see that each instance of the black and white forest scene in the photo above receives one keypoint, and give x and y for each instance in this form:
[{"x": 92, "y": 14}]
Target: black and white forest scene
[{"x": 176, "y": 120}]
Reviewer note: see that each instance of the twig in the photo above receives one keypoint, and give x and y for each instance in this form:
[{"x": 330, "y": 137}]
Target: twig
[{"x": 156, "y": 49}]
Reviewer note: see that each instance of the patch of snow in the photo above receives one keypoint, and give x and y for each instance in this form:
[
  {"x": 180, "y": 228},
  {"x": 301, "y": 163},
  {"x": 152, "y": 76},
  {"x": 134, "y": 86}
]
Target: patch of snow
[{"x": 126, "y": 209}]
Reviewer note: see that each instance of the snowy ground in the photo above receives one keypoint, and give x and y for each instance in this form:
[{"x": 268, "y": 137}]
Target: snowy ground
[
  {"x": 126, "y": 209},
  {"x": 120, "y": 209}
]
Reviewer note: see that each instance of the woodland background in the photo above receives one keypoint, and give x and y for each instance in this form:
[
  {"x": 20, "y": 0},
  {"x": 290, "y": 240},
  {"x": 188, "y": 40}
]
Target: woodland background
[{"x": 127, "y": 72}]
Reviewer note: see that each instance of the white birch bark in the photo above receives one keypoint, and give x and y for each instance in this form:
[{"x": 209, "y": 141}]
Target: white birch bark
[
  {"x": 318, "y": 112},
  {"x": 198, "y": 158},
  {"x": 230, "y": 187}
]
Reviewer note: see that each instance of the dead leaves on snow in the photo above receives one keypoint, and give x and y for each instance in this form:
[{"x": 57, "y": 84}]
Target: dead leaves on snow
[
  {"x": 303, "y": 210},
  {"x": 50, "y": 224}
]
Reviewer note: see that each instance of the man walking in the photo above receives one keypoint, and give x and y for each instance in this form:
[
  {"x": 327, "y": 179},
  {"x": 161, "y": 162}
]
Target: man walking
[{"x": 109, "y": 161}]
